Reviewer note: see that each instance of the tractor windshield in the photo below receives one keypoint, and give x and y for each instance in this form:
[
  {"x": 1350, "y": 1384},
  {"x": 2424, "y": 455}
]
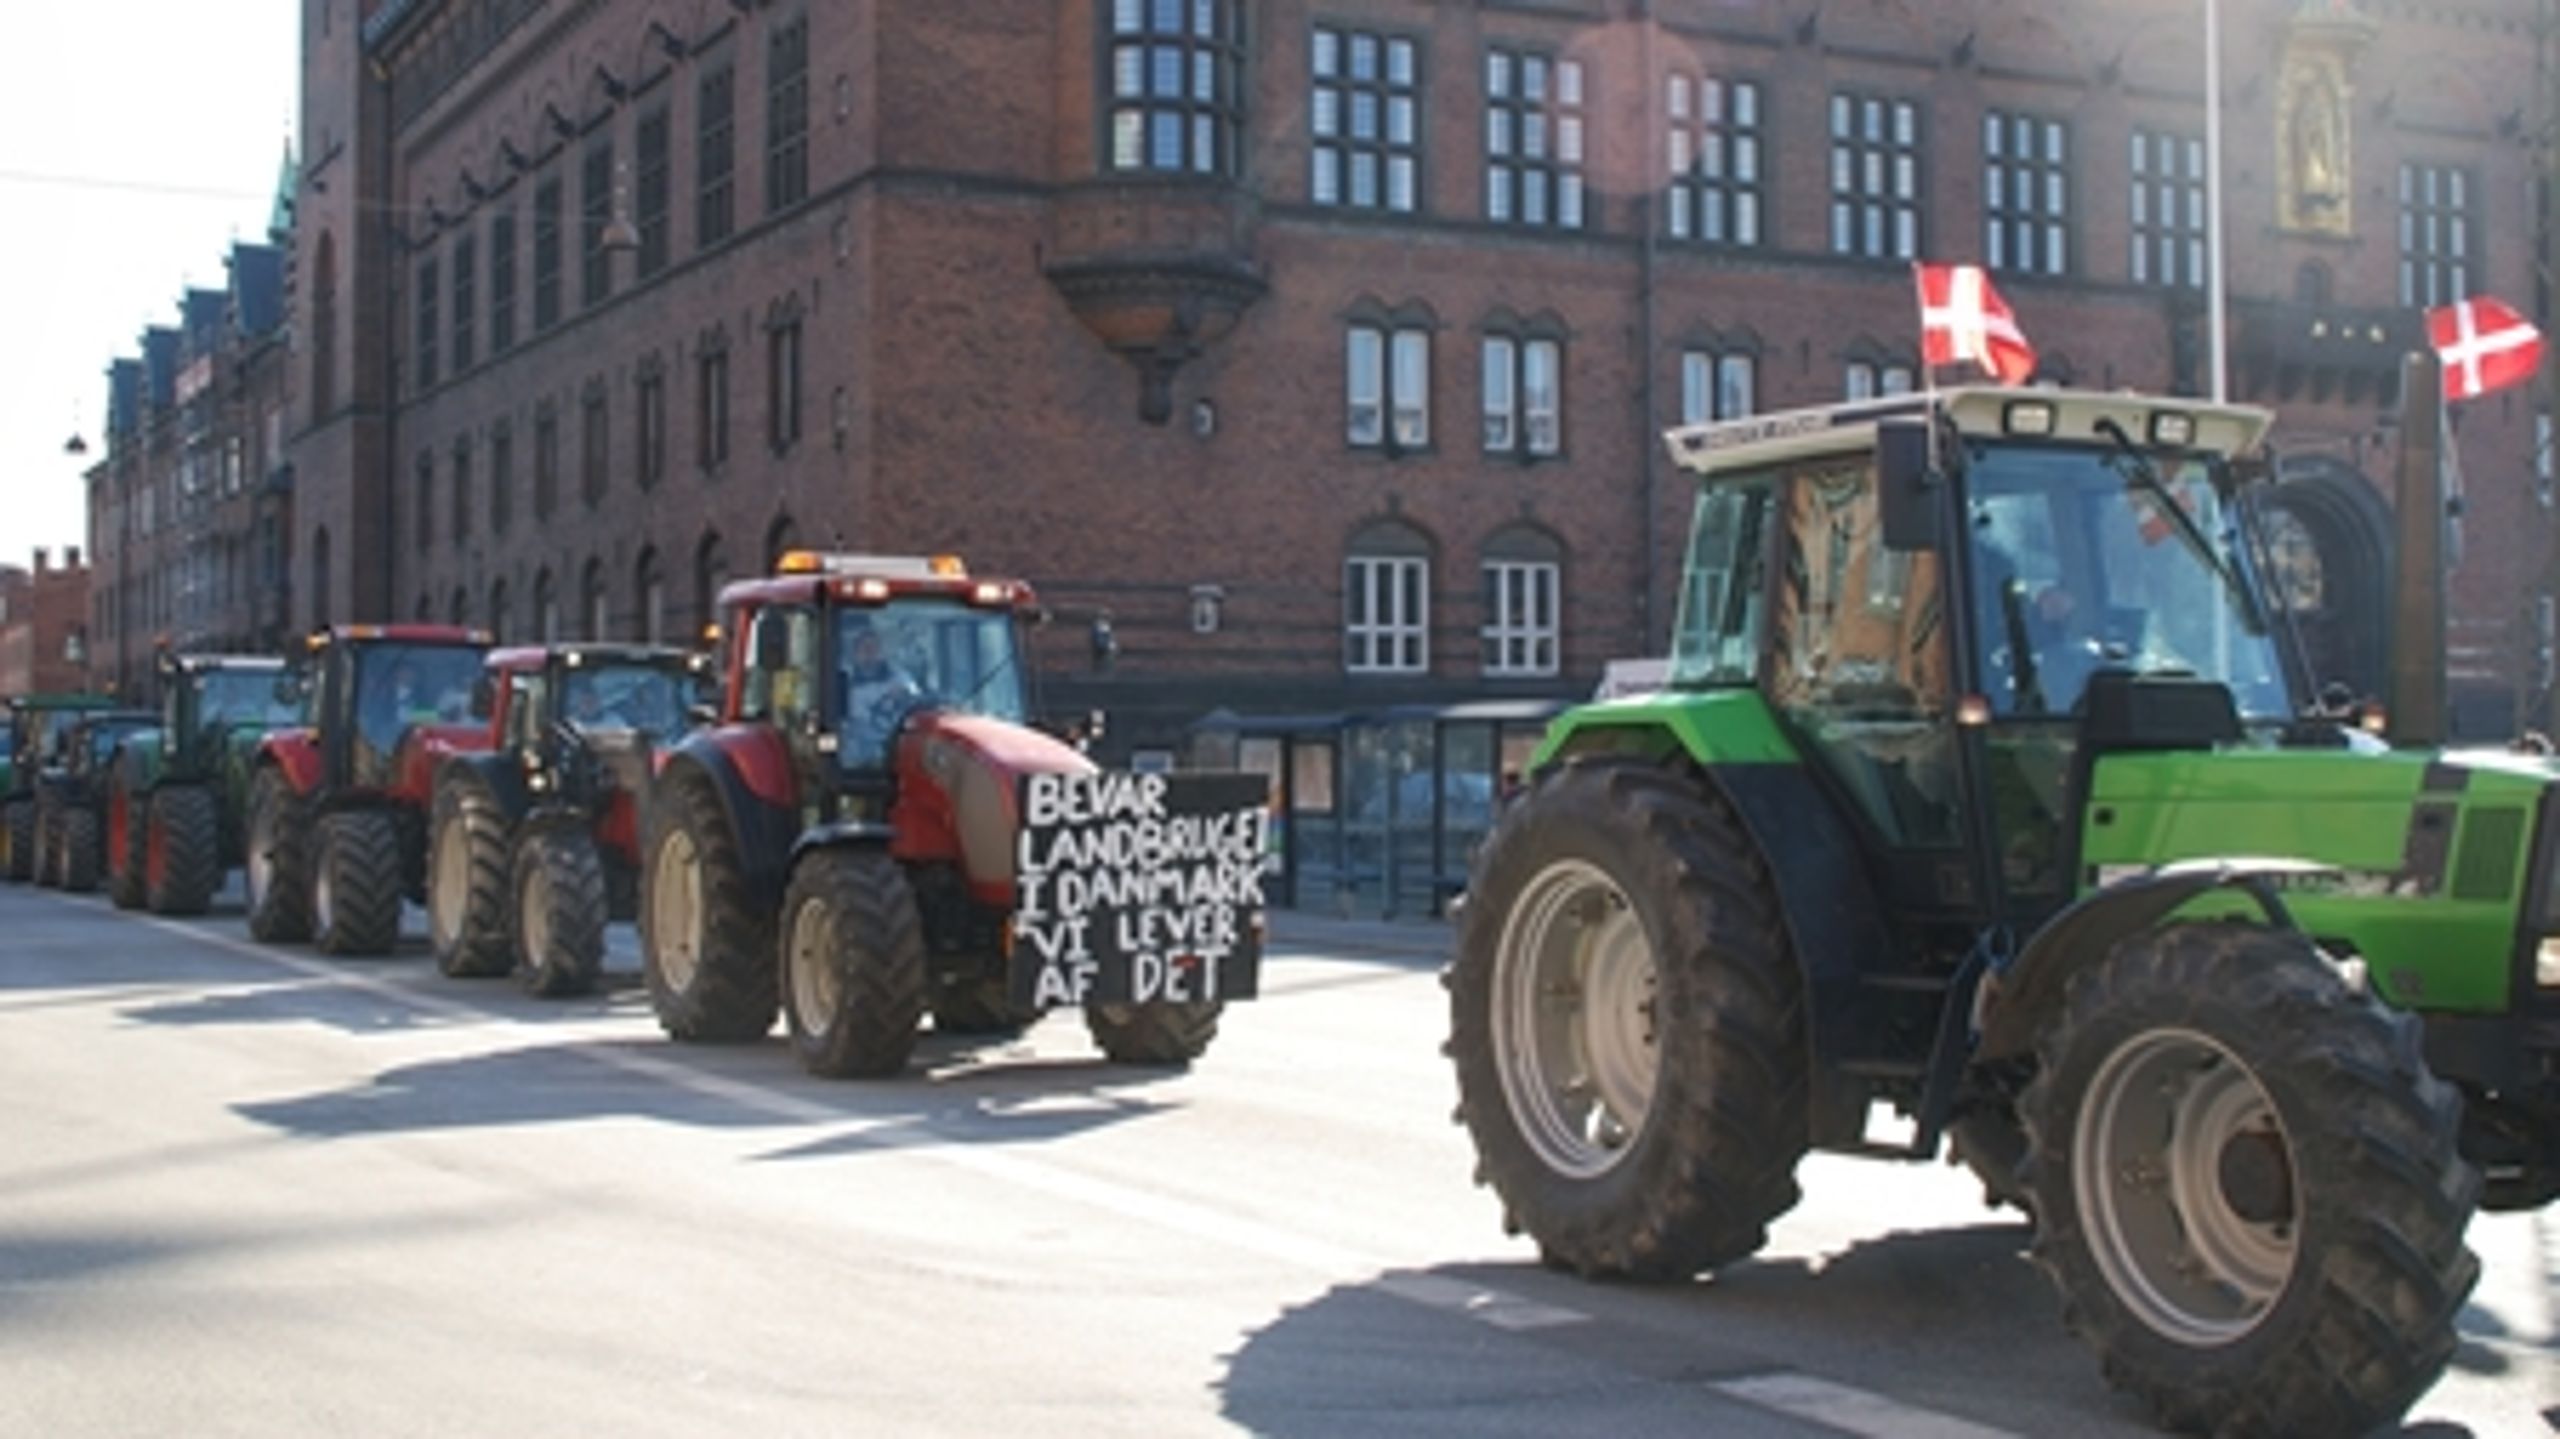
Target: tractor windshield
[
  {"x": 650, "y": 699},
  {"x": 921, "y": 653},
  {"x": 402, "y": 685},
  {"x": 2087, "y": 559},
  {"x": 244, "y": 699}
]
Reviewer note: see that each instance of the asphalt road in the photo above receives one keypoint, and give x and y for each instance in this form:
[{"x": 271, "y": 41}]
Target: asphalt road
[{"x": 251, "y": 1191}]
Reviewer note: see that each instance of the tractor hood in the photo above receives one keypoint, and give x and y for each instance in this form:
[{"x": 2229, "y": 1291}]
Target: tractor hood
[{"x": 958, "y": 792}]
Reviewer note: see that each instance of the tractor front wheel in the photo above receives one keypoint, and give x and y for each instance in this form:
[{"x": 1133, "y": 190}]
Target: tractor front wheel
[
  {"x": 467, "y": 881},
  {"x": 76, "y": 849},
  {"x": 1162, "y": 1034},
  {"x": 560, "y": 913},
  {"x": 853, "y": 963},
  {"x": 355, "y": 898},
  {"x": 1627, "y": 1024},
  {"x": 17, "y": 840},
  {"x": 182, "y": 850},
  {"x": 124, "y": 848},
  {"x": 705, "y": 948},
  {"x": 2247, "y": 1185},
  {"x": 277, "y": 865}
]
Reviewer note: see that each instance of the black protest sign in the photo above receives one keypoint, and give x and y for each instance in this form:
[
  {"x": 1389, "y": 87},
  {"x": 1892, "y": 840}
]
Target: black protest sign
[{"x": 1138, "y": 888}]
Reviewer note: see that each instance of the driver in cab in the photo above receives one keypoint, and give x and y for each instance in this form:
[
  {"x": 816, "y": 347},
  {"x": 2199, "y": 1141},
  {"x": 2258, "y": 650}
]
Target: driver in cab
[{"x": 877, "y": 693}]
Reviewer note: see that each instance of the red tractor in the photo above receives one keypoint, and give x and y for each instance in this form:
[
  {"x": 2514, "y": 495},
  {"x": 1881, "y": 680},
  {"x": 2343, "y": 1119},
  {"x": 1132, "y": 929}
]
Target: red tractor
[
  {"x": 337, "y": 807},
  {"x": 535, "y": 840},
  {"x": 872, "y": 830}
]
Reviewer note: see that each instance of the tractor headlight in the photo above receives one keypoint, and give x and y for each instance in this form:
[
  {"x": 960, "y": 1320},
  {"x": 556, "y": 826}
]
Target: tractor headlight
[{"x": 2546, "y": 965}]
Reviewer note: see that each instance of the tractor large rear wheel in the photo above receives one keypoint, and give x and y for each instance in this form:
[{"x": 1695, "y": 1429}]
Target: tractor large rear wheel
[
  {"x": 124, "y": 847},
  {"x": 76, "y": 849},
  {"x": 278, "y": 861},
  {"x": 1627, "y": 1025},
  {"x": 853, "y": 963},
  {"x": 355, "y": 896},
  {"x": 17, "y": 840},
  {"x": 182, "y": 850},
  {"x": 706, "y": 949},
  {"x": 2247, "y": 1185},
  {"x": 467, "y": 881},
  {"x": 560, "y": 909}
]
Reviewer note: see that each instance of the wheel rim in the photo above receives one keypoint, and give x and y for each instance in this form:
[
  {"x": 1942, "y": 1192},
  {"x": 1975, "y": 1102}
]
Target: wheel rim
[
  {"x": 1573, "y": 1035},
  {"x": 533, "y": 908},
  {"x": 2185, "y": 1179},
  {"x": 675, "y": 910},
  {"x": 448, "y": 884},
  {"x": 816, "y": 990}
]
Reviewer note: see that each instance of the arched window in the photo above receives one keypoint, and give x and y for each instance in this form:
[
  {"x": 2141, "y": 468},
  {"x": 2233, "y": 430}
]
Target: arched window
[
  {"x": 710, "y": 572},
  {"x": 1386, "y": 600},
  {"x": 783, "y": 534},
  {"x": 461, "y": 610},
  {"x": 546, "y": 608},
  {"x": 501, "y": 624},
  {"x": 650, "y": 582},
  {"x": 320, "y": 577},
  {"x": 591, "y": 602}
]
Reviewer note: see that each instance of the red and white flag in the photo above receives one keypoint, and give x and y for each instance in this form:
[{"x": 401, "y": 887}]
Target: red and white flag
[
  {"x": 2485, "y": 346},
  {"x": 1963, "y": 318}
]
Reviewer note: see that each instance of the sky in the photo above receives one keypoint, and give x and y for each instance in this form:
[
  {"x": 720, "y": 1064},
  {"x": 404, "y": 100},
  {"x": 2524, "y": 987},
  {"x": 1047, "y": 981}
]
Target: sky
[{"x": 138, "y": 140}]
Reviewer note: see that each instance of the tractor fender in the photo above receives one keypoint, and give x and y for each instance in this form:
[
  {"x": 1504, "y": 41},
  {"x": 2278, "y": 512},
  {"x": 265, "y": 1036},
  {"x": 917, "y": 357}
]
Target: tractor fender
[
  {"x": 767, "y": 831},
  {"x": 2011, "y": 1003},
  {"x": 297, "y": 753},
  {"x": 139, "y": 763},
  {"x": 1834, "y": 921},
  {"x": 498, "y": 773}
]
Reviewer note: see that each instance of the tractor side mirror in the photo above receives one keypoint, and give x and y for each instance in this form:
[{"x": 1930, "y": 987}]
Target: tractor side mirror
[{"x": 1906, "y": 486}]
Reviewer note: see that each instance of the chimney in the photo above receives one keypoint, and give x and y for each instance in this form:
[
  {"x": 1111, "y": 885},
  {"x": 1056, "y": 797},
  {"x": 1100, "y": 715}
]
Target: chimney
[
  {"x": 71, "y": 557},
  {"x": 41, "y": 556}
]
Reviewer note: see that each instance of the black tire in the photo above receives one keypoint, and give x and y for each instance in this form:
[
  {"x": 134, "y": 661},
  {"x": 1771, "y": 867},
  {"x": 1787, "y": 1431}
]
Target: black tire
[
  {"x": 182, "y": 850},
  {"x": 76, "y": 849},
  {"x": 1993, "y": 1145},
  {"x": 559, "y": 913},
  {"x": 468, "y": 918},
  {"x": 124, "y": 851},
  {"x": 17, "y": 841},
  {"x": 2248, "y": 1186},
  {"x": 277, "y": 859},
  {"x": 355, "y": 889},
  {"x": 705, "y": 948},
  {"x": 1162, "y": 1034},
  {"x": 48, "y": 861},
  {"x": 974, "y": 1004},
  {"x": 1678, "y": 1154},
  {"x": 853, "y": 964}
]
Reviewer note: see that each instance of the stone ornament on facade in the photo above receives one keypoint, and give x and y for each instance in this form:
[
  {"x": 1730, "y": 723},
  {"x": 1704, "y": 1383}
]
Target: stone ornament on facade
[{"x": 2315, "y": 191}]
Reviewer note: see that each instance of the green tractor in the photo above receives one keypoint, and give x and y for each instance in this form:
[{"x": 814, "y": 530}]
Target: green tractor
[
  {"x": 179, "y": 793},
  {"x": 1986, "y": 791},
  {"x": 71, "y": 798},
  {"x": 32, "y": 743}
]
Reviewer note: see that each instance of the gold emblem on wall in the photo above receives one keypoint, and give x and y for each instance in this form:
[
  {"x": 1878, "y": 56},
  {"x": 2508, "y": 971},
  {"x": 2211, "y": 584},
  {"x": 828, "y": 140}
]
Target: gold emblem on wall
[{"x": 2315, "y": 189}]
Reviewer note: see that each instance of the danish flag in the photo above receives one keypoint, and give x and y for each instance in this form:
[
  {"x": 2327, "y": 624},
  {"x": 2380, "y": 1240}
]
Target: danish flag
[
  {"x": 1963, "y": 318},
  {"x": 2485, "y": 346}
]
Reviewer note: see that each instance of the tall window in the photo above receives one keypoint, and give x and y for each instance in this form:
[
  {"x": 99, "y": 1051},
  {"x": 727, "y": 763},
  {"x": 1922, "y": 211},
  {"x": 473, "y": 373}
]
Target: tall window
[
  {"x": 466, "y": 294},
  {"x": 650, "y": 584},
  {"x": 502, "y": 619},
  {"x": 786, "y": 110},
  {"x": 502, "y": 281},
  {"x": 1533, "y": 110},
  {"x": 546, "y": 460},
  {"x": 649, "y": 431},
  {"x": 1176, "y": 81},
  {"x": 595, "y": 210},
  {"x": 782, "y": 375},
  {"x": 2026, "y": 194},
  {"x": 1875, "y": 177},
  {"x": 2166, "y": 209},
  {"x": 1365, "y": 114},
  {"x": 461, "y": 492},
  {"x": 2435, "y": 234},
  {"x": 1386, "y": 605},
  {"x": 430, "y": 316},
  {"x": 1523, "y": 395},
  {"x": 591, "y": 602},
  {"x": 711, "y": 406},
  {"x": 546, "y": 254},
  {"x": 715, "y": 154},
  {"x": 652, "y": 219},
  {"x": 595, "y": 445},
  {"x": 1521, "y": 622},
  {"x": 324, "y": 327},
  {"x": 1714, "y": 159},
  {"x": 425, "y": 498},
  {"x": 1717, "y": 384},
  {"x": 1387, "y": 386},
  {"x": 546, "y": 608},
  {"x": 502, "y": 476}
]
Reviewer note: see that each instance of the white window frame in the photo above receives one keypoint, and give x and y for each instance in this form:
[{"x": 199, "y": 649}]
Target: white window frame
[
  {"x": 2026, "y": 193},
  {"x": 2165, "y": 210},
  {"x": 1876, "y": 194},
  {"x": 1387, "y": 387},
  {"x": 1364, "y": 117},
  {"x": 1869, "y": 380},
  {"x": 1535, "y": 106},
  {"x": 1378, "y": 635},
  {"x": 1523, "y": 600},
  {"x": 1712, "y": 157},
  {"x": 1718, "y": 385}
]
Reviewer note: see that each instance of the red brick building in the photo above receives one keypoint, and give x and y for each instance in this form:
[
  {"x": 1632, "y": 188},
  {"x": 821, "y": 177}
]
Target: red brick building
[
  {"x": 44, "y": 636},
  {"x": 1319, "y": 349}
]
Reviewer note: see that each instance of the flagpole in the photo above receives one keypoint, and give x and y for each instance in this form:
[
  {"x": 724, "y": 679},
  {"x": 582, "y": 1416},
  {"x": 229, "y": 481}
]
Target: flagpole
[{"x": 2217, "y": 300}]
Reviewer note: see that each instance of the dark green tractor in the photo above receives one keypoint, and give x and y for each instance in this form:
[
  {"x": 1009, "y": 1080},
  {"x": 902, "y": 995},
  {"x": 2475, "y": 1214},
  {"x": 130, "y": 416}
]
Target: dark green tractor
[
  {"x": 71, "y": 798},
  {"x": 178, "y": 798},
  {"x": 1987, "y": 798},
  {"x": 33, "y": 743}
]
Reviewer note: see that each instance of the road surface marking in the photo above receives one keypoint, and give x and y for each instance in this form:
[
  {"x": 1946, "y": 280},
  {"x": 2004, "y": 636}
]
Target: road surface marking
[{"x": 1853, "y": 1411}]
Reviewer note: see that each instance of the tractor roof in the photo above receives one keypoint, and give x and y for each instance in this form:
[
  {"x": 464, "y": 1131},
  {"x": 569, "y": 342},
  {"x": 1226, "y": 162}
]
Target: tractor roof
[
  {"x": 61, "y": 702},
  {"x": 407, "y": 634},
  {"x": 807, "y": 576},
  {"x": 208, "y": 664},
  {"x": 526, "y": 659},
  {"x": 2058, "y": 416}
]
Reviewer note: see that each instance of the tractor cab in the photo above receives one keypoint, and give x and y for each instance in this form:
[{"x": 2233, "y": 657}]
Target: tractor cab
[
  {"x": 371, "y": 686},
  {"x": 1956, "y": 602},
  {"x": 209, "y": 702}
]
